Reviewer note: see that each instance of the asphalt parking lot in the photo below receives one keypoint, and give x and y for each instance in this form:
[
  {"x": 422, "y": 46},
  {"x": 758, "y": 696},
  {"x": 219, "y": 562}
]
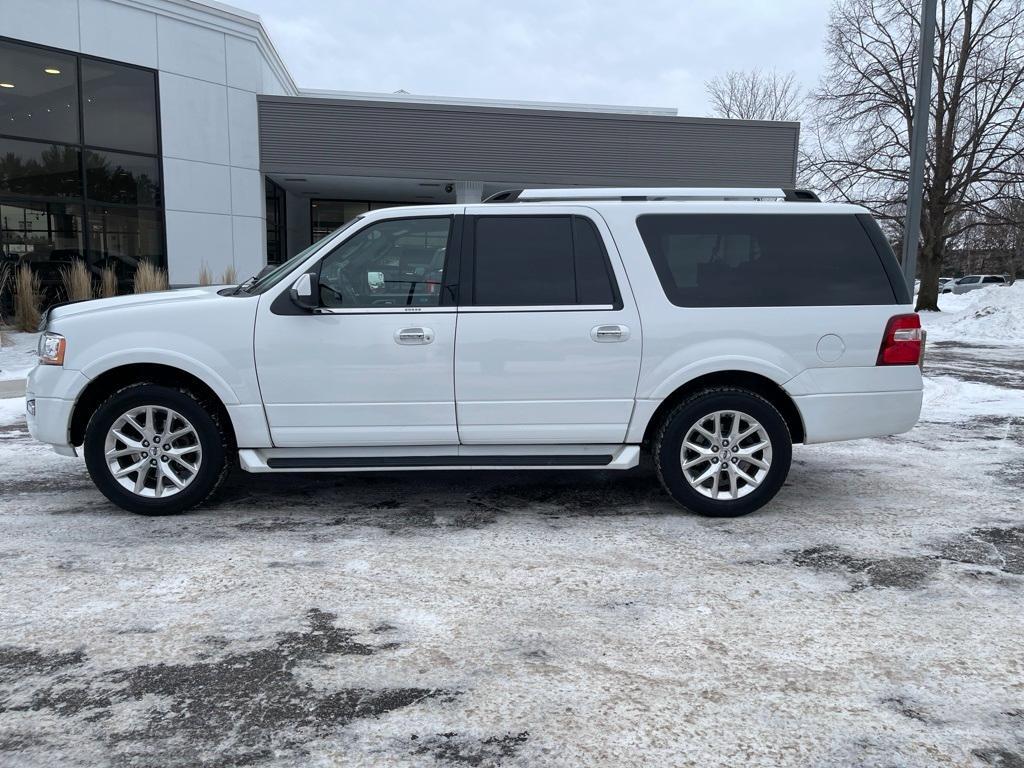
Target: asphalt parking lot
[{"x": 871, "y": 615}]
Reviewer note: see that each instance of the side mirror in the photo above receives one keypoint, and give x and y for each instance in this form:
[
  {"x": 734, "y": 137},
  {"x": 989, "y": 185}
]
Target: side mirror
[{"x": 302, "y": 292}]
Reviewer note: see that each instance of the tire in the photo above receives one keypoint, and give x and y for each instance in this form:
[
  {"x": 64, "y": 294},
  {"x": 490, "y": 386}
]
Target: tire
[
  {"x": 190, "y": 470},
  {"x": 733, "y": 496}
]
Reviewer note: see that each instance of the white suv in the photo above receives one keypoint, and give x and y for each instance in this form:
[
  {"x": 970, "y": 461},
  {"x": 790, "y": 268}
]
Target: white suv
[
  {"x": 567, "y": 329},
  {"x": 973, "y": 283}
]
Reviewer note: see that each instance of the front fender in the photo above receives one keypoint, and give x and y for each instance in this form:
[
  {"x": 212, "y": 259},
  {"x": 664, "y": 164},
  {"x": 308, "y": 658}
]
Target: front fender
[{"x": 151, "y": 356}]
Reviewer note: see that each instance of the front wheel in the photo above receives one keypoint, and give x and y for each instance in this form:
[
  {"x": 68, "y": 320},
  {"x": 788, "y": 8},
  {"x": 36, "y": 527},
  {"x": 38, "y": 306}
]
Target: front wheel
[
  {"x": 156, "y": 450},
  {"x": 723, "y": 452}
]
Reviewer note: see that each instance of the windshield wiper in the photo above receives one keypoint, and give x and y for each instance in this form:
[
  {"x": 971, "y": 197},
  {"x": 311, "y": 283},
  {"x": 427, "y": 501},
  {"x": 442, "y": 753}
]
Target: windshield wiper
[{"x": 244, "y": 286}]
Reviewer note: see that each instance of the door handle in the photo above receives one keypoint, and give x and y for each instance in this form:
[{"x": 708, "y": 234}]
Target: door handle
[
  {"x": 414, "y": 336},
  {"x": 609, "y": 333}
]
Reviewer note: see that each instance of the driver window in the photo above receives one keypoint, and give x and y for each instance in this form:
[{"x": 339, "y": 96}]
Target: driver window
[{"x": 397, "y": 263}]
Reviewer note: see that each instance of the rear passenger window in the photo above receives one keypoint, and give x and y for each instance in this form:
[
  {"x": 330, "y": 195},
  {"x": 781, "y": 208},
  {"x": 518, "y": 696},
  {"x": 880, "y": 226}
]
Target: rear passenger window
[
  {"x": 540, "y": 261},
  {"x": 765, "y": 260},
  {"x": 593, "y": 276}
]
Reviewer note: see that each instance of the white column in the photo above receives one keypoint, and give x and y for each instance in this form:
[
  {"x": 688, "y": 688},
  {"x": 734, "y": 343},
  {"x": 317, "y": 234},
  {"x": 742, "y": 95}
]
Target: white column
[{"x": 469, "y": 192}]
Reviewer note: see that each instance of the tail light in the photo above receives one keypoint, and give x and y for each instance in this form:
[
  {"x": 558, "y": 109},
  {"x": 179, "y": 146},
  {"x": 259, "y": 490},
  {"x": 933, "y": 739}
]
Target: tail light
[{"x": 903, "y": 343}]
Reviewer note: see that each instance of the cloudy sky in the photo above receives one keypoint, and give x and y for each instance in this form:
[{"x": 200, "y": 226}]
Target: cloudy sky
[{"x": 643, "y": 52}]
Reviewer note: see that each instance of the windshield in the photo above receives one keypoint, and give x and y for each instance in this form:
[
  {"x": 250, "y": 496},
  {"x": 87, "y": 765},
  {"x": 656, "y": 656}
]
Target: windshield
[{"x": 278, "y": 273}]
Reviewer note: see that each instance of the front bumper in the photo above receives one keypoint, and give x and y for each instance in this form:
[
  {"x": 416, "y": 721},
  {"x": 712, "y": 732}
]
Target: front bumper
[{"x": 53, "y": 391}]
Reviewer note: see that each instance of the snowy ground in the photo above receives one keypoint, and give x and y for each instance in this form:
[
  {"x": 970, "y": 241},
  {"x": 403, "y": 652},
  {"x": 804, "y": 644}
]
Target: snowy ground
[
  {"x": 17, "y": 355},
  {"x": 870, "y": 616}
]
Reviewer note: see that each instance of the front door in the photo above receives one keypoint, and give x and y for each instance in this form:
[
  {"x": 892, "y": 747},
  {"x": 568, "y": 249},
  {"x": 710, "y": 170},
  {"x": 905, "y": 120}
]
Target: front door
[
  {"x": 372, "y": 366},
  {"x": 548, "y": 347}
]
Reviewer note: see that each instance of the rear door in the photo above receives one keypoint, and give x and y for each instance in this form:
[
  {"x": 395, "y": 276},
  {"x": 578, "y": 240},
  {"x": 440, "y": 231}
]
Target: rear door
[{"x": 548, "y": 344}]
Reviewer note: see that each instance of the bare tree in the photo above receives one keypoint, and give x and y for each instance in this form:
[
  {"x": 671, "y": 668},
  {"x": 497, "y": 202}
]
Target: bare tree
[
  {"x": 755, "y": 95},
  {"x": 859, "y": 146},
  {"x": 1007, "y": 234}
]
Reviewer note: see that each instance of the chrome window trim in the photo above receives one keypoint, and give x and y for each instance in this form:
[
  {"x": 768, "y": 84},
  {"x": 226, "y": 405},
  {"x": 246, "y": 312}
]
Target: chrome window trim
[
  {"x": 454, "y": 310},
  {"x": 384, "y": 311},
  {"x": 540, "y": 308}
]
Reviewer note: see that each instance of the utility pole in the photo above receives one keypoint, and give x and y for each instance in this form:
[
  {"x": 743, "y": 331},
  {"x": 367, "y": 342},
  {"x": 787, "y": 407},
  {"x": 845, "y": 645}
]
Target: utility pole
[{"x": 919, "y": 142}]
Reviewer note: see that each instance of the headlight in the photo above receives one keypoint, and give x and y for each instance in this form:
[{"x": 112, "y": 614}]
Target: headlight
[{"x": 51, "y": 349}]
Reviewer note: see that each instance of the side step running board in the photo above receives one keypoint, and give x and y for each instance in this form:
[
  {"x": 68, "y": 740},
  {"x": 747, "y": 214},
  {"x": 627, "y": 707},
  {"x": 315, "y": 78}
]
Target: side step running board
[
  {"x": 346, "y": 462},
  {"x": 279, "y": 460}
]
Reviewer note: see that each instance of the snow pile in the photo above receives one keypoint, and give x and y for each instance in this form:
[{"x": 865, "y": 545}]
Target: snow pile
[
  {"x": 983, "y": 315},
  {"x": 17, "y": 359}
]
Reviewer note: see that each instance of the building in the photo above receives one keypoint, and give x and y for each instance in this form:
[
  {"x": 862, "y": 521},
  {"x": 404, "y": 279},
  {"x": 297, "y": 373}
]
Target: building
[{"x": 171, "y": 130}]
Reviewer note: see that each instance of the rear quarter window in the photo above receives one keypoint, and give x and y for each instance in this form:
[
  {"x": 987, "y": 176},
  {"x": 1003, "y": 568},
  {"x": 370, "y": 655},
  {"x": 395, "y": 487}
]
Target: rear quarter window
[{"x": 766, "y": 260}]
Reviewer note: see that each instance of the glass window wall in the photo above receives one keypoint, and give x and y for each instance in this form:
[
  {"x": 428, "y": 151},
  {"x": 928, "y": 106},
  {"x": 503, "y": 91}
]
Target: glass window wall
[{"x": 80, "y": 171}]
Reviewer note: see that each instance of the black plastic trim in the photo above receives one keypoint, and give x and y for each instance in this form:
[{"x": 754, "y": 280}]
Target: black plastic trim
[
  {"x": 505, "y": 196},
  {"x": 283, "y": 304},
  {"x": 801, "y": 196},
  {"x": 617, "y": 303},
  {"x": 452, "y": 263},
  {"x": 346, "y": 462}
]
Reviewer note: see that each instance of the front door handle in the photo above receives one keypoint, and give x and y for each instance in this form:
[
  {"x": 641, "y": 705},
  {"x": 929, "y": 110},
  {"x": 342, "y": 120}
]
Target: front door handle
[
  {"x": 414, "y": 336},
  {"x": 609, "y": 333}
]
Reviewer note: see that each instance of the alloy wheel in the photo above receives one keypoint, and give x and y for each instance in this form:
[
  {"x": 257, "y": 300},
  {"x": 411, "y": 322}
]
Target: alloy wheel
[
  {"x": 153, "y": 451},
  {"x": 726, "y": 455}
]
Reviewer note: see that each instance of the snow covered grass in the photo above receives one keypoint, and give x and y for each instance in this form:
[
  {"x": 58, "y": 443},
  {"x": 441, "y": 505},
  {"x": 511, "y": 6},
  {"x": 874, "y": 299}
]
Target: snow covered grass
[
  {"x": 986, "y": 314},
  {"x": 19, "y": 356}
]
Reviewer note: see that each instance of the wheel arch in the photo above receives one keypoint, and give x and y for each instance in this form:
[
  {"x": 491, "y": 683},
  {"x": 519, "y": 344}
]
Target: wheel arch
[
  {"x": 754, "y": 382},
  {"x": 108, "y": 382}
]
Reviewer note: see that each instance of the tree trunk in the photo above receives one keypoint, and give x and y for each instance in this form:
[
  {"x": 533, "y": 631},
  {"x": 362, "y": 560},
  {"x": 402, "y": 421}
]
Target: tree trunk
[
  {"x": 929, "y": 266},
  {"x": 933, "y": 247}
]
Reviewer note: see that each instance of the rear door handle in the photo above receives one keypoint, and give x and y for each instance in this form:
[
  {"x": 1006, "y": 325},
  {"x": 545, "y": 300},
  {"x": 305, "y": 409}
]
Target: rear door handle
[
  {"x": 414, "y": 336},
  {"x": 609, "y": 333}
]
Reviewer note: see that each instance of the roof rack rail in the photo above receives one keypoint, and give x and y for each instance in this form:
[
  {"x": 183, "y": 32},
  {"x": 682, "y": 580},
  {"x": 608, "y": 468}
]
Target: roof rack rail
[{"x": 628, "y": 194}]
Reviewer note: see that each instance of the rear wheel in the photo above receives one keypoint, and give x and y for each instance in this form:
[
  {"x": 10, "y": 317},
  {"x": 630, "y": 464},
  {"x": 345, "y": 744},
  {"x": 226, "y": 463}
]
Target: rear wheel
[
  {"x": 156, "y": 450},
  {"x": 723, "y": 452}
]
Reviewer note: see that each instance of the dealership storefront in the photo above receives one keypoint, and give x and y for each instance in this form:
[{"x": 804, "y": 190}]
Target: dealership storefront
[
  {"x": 171, "y": 131},
  {"x": 79, "y": 162}
]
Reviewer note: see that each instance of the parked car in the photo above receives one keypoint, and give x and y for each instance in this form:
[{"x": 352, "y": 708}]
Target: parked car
[
  {"x": 973, "y": 282},
  {"x": 944, "y": 282},
  {"x": 712, "y": 329}
]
